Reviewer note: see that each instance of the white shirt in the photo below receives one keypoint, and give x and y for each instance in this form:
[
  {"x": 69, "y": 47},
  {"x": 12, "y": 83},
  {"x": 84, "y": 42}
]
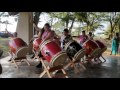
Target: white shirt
[{"x": 62, "y": 38}]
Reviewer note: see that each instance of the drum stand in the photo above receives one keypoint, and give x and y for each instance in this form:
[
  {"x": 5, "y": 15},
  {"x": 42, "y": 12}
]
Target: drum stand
[
  {"x": 103, "y": 58},
  {"x": 72, "y": 62},
  {"x": 20, "y": 56},
  {"x": 100, "y": 54},
  {"x": 14, "y": 60},
  {"x": 36, "y": 55},
  {"x": 98, "y": 57},
  {"x": 48, "y": 70},
  {"x": 90, "y": 58}
]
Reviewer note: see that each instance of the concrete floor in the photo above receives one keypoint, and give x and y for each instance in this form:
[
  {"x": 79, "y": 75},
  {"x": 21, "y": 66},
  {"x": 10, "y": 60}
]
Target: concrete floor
[{"x": 109, "y": 69}]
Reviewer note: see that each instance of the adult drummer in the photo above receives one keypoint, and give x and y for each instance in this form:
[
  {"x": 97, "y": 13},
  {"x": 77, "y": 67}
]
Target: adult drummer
[
  {"x": 66, "y": 37},
  {"x": 46, "y": 34},
  {"x": 39, "y": 35},
  {"x": 14, "y": 35},
  {"x": 83, "y": 38}
]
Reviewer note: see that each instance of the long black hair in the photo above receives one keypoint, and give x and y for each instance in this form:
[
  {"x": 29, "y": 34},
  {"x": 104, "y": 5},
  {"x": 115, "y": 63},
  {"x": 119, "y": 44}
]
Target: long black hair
[
  {"x": 47, "y": 24},
  {"x": 42, "y": 31}
]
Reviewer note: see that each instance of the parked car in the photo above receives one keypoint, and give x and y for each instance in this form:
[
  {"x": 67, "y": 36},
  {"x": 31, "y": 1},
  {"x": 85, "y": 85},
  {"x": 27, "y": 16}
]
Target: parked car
[{"x": 3, "y": 34}]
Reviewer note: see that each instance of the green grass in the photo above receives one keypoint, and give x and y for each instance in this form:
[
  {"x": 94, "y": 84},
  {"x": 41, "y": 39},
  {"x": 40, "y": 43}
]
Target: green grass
[{"x": 4, "y": 45}]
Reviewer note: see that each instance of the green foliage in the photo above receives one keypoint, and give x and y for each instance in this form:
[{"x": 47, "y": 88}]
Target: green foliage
[
  {"x": 77, "y": 31},
  {"x": 89, "y": 21}
]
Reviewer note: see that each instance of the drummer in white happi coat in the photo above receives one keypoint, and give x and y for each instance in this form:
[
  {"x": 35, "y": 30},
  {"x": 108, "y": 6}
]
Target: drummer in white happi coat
[{"x": 65, "y": 38}]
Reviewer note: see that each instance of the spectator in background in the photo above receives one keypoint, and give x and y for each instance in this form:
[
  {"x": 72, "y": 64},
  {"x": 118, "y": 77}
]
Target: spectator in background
[
  {"x": 14, "y": 35},
  {"x": 83, "y": 38},
  {"x": 115, "y": 44}
]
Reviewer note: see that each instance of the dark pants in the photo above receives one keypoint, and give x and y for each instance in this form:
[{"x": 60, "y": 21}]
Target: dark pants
[{"x": 40, "y": 64}]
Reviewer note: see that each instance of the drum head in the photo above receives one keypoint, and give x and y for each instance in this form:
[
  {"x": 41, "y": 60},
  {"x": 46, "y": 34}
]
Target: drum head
[
  {"x": 80, "y": 54},
  {"x": 0, "y": 69},
  {"x": 43, "y": 44},
  {"x": 59, "y": 59},
  {"x": 22, "y": 52},
  {"x": 73, "y": 48},
  {"x": 95, "y": 52},
  {"x": 68, "y": 44},
  {"x": 103, "y": 50}
]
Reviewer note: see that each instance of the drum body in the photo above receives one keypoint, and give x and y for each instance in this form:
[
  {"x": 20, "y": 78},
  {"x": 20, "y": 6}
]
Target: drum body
[
  {"x": 74, "y": 49},
  {"x": 53, "y": 53},
  {"x": 36, "y": 44},
  {"x": 91, "y": 47},
  {"x": 102, "y": 46},
  {"x": 57, "y": 40},
  {"x": 16, "y": 44}
]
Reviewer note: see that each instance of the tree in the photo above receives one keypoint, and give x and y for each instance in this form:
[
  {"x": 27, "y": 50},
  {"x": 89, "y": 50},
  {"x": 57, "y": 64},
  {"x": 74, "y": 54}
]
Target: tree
[
  {"x": 66, "y": 19},
  {"x": 4, "y": 14},
  {"x": 36, "y": 17},
  {"x": 91, "y": 20},
  {"x": 113, "y": 18},
  {"x": 13, "y": 13}
]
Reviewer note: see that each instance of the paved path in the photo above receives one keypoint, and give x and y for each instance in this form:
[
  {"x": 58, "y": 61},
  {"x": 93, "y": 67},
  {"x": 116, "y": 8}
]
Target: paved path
[{"x": 109, "y": 69}]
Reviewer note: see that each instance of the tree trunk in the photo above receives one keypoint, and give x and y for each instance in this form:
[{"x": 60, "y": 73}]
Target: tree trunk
[
  {"x": 51, "y": 22},
  {"x": 71, "y": 25},
  {"x": 111, "y": 25},
  {"x": 12, "y": 13},
  {"x": 111, "y": 34},
  {"x": 119, "y": 27},
  {"x": 36, "y": 19},
  {"x": 67, "y": 22},
  {"x": 87, "y": 28}
]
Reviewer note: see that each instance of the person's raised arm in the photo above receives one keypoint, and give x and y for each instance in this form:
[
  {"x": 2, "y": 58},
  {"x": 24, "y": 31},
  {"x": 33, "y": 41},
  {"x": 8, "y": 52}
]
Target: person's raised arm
[
  {"x": 36, "y": 27},
  {"x": 11, "y": 35}
]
